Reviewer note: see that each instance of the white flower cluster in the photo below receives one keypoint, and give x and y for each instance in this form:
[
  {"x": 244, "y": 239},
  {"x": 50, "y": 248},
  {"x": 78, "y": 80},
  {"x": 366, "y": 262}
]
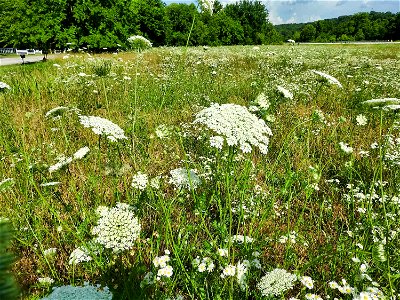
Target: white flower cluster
[
  {"x": 164, "y": 131},
  {"x": 262, "y": 101},
  {"x": 56, "y": 112},
  {"x": 237, "y": 125},
  {"x": 345, "y": 148},
  {"x": 207, "y": 5},
  {"x": 276, "y": 282},
  {"x": 239, "y": 271},
  {"x": 140, "y": 181},
  {"x": 69, "y": 292},
  {"x": 4, "y": 86},
  {"x": 345, "y": 288},
  {"x": 50, "y": 252},
  {"x": 101, "y": 126},
  {"x": 384, "y": 103},
  {"x": 310, "y": 296},
  {"x": 307, "y": 282},
  {"x": 240, "y": 239},
  {"x": 139, "y": 42},
  {"x": 45, "y": 280},
  {"x": 361, "y": 120},
  {"x": 81, "y": 153},
  {"x": 392, "y": 154},
  {"x": 287, "y": 94},
  {"x": 79, "y": 255},
  {"x": 117, "y": 227},
  {"x": 161, "y": 262},
  {"x": 331, "y": 79},
  {"x": 64, "y": 161},
  {"x": 205, "y": 264},
  {"x": 184, "y": 179}
]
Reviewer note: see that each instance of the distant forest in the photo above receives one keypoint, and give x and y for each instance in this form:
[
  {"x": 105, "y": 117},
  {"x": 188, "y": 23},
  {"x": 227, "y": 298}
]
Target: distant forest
[
  {"x": 100, "y": 24},
  {"x": 358, "y": 27}
]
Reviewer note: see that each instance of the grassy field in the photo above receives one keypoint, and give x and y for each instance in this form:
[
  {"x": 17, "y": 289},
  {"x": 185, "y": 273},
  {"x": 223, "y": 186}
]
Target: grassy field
[{"x": 220, "y": 173}]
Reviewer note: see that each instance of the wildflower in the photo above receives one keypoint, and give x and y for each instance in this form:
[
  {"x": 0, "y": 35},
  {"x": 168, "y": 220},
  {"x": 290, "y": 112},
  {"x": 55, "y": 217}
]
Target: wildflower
[
  {"x": 276, "y": 282},
  {"x": 207, "y": 5},
  {"x": 52, "y": 183},
  {"x": 241, "y": 270},
  {"x": 363, "y": 268},
  {"x": 79, "y": 255},
  {"x": 238, "y": 126},
  {"x": 45, "y": 280},
  {"x": 241, "y": 239},
  {"x": 361, "y": 120},
  {"x": 140, "y": 181},
  {"x": 262, "y": 101},
  {"x": 310, "y": 296},
  {"x": 229, "y": 270},
  {"x": 184, "y": 179},
  {"x": 345, "y": 148},
  {"x": 56, "y": 111},
  {"x": 307, "y": 282},
  {"x": 68, "y": 292},
  {"x": 331, "y": 79},
  {"x": 382, "y": 102},
  {"x": 155, "y": 182},
  {"x": 62, "y": 162},
  {"x": 139, "y": 42},
  {"x": 103, "y": 126},
  {"x": 81, "y": 153},
  {"x": 285, "y": 92},
  {"x": 223, "y": 252},
  {"x": 163, "y": 131},
  {"x": 50, "y": 252},
  {"x": 161, "y": 261},
  {"x": 167, "y": 271},
  {"x": 4, "y": 86},
  {"x": 333, "y": 285},
  {"x": 217, "y": 142},
  {"x": 117, "y": 227}
]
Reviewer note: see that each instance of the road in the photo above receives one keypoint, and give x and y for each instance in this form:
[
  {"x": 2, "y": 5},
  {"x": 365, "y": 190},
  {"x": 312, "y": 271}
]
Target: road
[{"x": 14, "y": 60}]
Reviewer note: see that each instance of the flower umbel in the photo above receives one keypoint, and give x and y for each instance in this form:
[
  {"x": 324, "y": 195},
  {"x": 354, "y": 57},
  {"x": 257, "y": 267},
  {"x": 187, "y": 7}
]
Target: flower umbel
[
  {"x": 117, "y": 227},
  {"x": 103, "y": 126},
  {"x": 238, "y": 126},
  {"x": 276, "y": 282}
]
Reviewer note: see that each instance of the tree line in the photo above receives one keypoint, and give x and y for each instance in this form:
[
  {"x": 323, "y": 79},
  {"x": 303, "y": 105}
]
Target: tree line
[
  {"x": 358, "y": 27},
  {"x": 99, "y": 24}
]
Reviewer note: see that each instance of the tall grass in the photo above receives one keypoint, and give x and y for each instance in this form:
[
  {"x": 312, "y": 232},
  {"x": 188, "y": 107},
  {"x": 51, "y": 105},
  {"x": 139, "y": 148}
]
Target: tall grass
[{"x": 307, "y": 206}]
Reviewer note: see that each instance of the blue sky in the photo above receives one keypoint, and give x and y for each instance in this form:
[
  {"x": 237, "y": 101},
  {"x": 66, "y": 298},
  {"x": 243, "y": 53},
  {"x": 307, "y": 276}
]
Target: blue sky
[{"x": 301, "y": 11}]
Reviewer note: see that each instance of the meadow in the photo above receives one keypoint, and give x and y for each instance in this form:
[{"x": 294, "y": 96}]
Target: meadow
[{"x": 243, "y": 172}]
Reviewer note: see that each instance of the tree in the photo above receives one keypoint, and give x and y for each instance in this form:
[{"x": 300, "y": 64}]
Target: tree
[
  {"x": 308, "y": 33},
  {"x": 253, "y": 17}
]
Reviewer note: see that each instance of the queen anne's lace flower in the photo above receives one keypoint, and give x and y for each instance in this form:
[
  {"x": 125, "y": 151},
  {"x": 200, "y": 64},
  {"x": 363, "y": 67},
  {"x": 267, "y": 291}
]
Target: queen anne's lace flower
[
  {"x": 79, "y": 255},
  {"x": 184, "y": 179},
  {"x": 285, "y": 92},
  {"x": 276, "y": 282},
  {"x": 81, "y": 153},
  {"x": 139, "y": 42},
  {"x": 140, "y": 181},
  {"x": 238, "y": 126},
  {"x": 4, "y": 86},
  {"x": 103, "y": 126},
  {"x": 331, "y": 79},
  {"x": 69, "y": 292},
  {"x": 117, "y": 227}
]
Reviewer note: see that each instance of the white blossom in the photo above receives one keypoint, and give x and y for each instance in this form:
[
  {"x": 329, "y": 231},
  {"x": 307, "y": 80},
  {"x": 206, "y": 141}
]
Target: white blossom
[
  {"x": 81, "y": 153},
  {"x": 330, "y": 78},
  {"x": 79, "y": 255},
  {"x": 140, "y": 181},
  {"x": 287, "y": 94},
  {"x": 184, "y": 179},
  {"x": 103, "y": 126},
  {"x": 238, "y": 126},
  {"x": 276, "y": 282},
  {"x": 117, "y": 227}
]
